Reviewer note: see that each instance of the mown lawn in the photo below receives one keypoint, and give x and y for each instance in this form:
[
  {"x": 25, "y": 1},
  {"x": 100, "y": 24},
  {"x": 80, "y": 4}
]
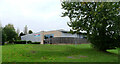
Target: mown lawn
[{"x": 55, "y": 53}]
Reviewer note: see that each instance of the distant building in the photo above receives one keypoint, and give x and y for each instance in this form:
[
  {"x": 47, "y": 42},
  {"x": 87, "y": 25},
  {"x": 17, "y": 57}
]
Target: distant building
[{"x": 43, "y": 35}]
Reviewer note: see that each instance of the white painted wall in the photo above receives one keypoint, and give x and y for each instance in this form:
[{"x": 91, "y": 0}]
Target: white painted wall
[
  {"x": 68, "y": 35},
  {"x": 71, "y": 35},
  {"x": 31, "y": 37}
]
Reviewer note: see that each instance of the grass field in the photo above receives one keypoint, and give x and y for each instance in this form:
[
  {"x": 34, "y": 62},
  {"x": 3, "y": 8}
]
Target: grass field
[{"x": 55, "y": 53}]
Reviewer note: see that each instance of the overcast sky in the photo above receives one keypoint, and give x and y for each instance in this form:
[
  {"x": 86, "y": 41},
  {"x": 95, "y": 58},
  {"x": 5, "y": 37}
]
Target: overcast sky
[{"x": 36, "y": 14}]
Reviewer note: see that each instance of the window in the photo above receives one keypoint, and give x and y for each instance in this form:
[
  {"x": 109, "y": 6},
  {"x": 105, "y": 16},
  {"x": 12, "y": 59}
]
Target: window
[
  {"x": 36, "y": 35},
  {"x": 48, "y": 36}
]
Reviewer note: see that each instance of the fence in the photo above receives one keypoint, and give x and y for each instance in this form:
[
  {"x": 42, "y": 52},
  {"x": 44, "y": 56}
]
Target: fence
[{"x": 65, "y": 40}]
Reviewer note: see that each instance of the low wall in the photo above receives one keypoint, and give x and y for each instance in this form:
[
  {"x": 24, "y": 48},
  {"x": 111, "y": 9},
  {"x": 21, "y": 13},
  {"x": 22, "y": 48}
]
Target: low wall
[{"x": 65, "y": 40}]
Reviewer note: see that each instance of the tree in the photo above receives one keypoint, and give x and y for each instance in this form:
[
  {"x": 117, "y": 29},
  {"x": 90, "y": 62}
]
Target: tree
[
  {"x": 10, "y": 32},
  {"x": 22, "y": 34},
  {"x": 30, "y": 31},
  {"x": 4, "y": 37},
  {"x": 99, "y": 19},
  {"x": 26, "y": 30}
]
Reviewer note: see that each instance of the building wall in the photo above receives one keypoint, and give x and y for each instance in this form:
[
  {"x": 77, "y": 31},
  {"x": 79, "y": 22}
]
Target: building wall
[
  {"x": 41, "y": 38},
  {"x": 68, "y": 35},
  {"x": 71, "y": 35},
  {"x": 55, "y": 33},
  {"x": 66, "y": 40},
  {"x": 32, "y": 37}
]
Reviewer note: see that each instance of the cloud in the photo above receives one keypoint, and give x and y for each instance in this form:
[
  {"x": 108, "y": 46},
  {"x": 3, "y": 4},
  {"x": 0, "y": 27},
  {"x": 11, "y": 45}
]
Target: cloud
[{"x": 37, "y": 14}]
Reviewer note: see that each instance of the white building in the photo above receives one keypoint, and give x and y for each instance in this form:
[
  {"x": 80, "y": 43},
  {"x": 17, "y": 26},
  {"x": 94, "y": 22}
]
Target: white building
[{"x": 40, "y": 36}]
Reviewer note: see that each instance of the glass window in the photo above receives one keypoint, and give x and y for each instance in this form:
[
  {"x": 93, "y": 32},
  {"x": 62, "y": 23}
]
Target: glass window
[
  {"x": 48, "y": 36},
  {"x": 36, "y": 35}
]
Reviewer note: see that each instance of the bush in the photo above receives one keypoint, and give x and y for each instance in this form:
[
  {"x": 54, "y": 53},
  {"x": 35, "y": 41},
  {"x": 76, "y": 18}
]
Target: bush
[
  {"x": 20, "y": 42},
  {"x": 35, "y": 43},
  {"x": 29, "y": 42},
  {"x": 24, "y": 42},
  {"x": 10, "y": 42},
  {"x": 104, "y": 43}
]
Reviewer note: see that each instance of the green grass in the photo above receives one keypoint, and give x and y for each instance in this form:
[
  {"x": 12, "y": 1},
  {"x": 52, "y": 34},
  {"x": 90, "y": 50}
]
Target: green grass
[
  {"x": 55, "y": 53},
  {"x": 0, "y": 54}
]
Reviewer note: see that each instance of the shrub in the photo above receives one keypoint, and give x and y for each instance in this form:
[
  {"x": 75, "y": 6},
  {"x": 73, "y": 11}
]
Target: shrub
[
  {"x": 29, "y": 42},
  {"x": 35, "y": 42},
  {"x": 20, "y": 42},
  {"x": 10, "y": 42}
]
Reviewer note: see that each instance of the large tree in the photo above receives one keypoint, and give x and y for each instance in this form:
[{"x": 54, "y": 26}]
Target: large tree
[
  {"x": 10, "y": 32},
  {"x": 101, "y": 21},
  {"x": 4, "y": 37}
]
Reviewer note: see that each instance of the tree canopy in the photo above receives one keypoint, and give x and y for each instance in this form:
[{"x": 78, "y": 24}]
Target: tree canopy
[
  {"x": 30, "y": 32},
  {"x": 10, "y": 32},
  {"x": 99, "y": 19},
  {"x": 22, "y": 34},
  {"x": 4, "y": 37}
]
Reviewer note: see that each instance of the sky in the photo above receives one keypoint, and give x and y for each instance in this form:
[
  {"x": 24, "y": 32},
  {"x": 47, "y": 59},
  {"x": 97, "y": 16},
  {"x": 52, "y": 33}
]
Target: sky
[{"x": 38, "y": 15}]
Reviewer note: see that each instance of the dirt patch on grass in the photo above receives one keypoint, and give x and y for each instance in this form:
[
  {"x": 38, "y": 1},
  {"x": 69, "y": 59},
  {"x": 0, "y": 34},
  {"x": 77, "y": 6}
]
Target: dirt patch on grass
[
  {"x": 77, "y": 57},
  {"x": 32, "y": 51}
]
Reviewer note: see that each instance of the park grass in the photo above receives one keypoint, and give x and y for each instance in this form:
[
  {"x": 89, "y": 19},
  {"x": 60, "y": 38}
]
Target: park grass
[{"x": 55, "y": 53}]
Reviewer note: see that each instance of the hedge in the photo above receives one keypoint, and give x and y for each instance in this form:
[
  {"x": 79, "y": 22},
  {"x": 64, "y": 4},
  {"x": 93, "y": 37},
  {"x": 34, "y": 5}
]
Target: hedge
[
  {"x": 35, "y": 43},
  {"x": 24, "y": 42},
  {"x": 29, "y": 42},
  {"x": 20, "y": 42}
]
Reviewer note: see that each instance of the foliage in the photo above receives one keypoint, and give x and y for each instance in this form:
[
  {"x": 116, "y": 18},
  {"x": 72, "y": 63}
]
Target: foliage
[
  {"x": 29, "y": 42},
  {"x": 99, "y": 19},
  {"x": 10, "y": 32},
  {"x": 4, "y": 37},
  {"x": 24, "y": 42},
  {"x": 20, "y": 42},
  {"x": 22, "y": 34},
  {"x": 35, "y": 42},
  {"x": 19, "y": 37},
  {"x": 30, "y": 32}
]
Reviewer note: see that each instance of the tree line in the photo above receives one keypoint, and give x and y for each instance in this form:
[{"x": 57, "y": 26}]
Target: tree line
[{"x": 9, "y": 34}]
